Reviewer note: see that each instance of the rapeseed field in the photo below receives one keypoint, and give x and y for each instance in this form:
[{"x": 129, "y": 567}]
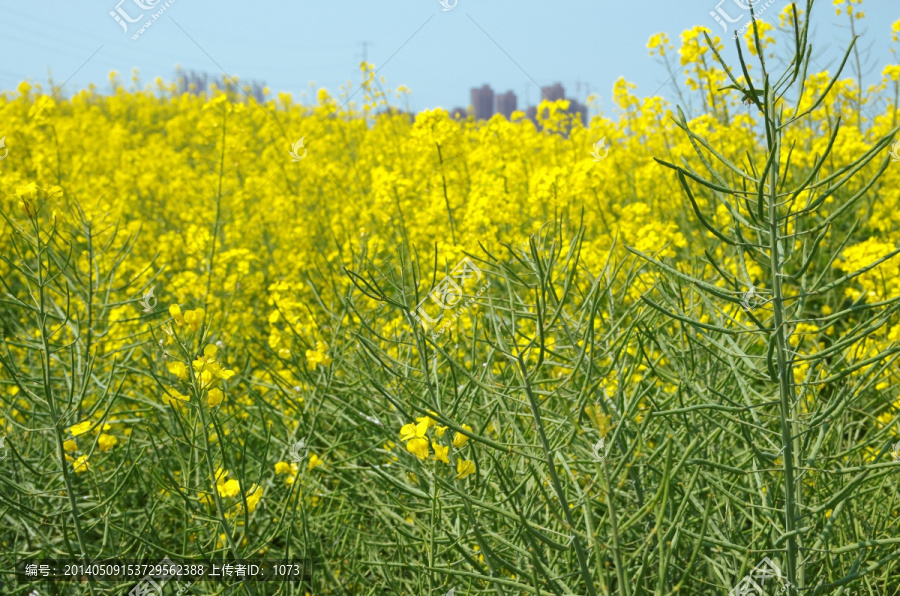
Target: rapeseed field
[{"x": 657, "y": 354}]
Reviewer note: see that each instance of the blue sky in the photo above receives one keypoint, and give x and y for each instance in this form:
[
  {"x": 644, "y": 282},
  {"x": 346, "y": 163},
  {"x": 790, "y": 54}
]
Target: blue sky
[{"x": 439, "y": 55}]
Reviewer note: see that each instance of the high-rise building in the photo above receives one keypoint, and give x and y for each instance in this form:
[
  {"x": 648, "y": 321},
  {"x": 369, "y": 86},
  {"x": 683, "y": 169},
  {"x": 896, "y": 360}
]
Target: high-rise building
[
  {"x": 553, "y": 92},
  {"x": 459, "y": 114},
  {"x": 576, "y": 107},
  {"x": 483, "y": 102},
  {"x": 506, "y": 104},
  {"x": 484, "y": 106}
]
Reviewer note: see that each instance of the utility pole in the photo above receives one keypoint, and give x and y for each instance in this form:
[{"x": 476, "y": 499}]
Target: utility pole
[
  {"x": 365, "y": 54},
  {"x": 365, "y": 49}
]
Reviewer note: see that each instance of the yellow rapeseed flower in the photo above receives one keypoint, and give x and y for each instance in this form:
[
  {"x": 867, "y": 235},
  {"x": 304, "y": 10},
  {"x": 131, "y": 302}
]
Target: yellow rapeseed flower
[
  {"x": 226, "y": 487},
  {"x": 106, "y": 442},
  {"x": 27, "y": 191},
  {"x": 194, "y": 318},
  {"x": 80, "y": 428},
  {"x": 174, "y": 398},
  {"x": 208, "y": 369},
  {"x": 178, "y": 369},
  {"x": 315, "y": 461},
  {"x": 215, "y": 397},
  {"x": 99, "y": 428},
  {"x": 440, "y": 452},
  {"x": 175, "y": 311},
  {"x": 407, "y": 432},
  {"x": 411, "y": 431},
  {"x": 891, "y": 72},
  {"x": 464, "y": 468},
  {"x": 81, "y": 464},
  {"x": 291, "y": 469},
  {"x": 256, "y": 493},
  {"x": 428, "y": 421},
  {"x": 658, "y": 44},
  {"x": 418, "y": 447},
  {"x": 318, "y": 356},
  {"x": 459, "y": 439},
  {"x": 253, "y": 496},
  {"x": 229, "y": 488}
]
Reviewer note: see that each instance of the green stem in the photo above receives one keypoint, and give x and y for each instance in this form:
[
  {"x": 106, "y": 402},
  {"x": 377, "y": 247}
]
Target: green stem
[
  {"x": 215, "y": 235},
  {"x": 211, "y": 469},
  {"x": 48, "y": 393},
  {"x": 447, "y": 198},
  {"x": 554, "y": 479},
  {"x": 432, "y": 537},
  {"x": 614, "y": 526},
  {"x": 785, "y": 366}
]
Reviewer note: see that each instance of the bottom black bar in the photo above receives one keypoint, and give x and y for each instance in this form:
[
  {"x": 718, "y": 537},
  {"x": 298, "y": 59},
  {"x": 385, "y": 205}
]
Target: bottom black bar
[{"x": 156, "y": 571}]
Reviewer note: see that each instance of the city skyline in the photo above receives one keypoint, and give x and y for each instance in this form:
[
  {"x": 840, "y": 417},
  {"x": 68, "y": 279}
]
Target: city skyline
[
  {"x": 485, "y": 103},
  {"x": 438, "y": 55}
]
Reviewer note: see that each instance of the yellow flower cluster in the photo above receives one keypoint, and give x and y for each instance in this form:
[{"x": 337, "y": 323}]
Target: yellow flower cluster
[
  {"x": 762, "y": 29},
  {"x": 192, "y": 319},
  {"x": 878, "y": 283},
  {"x": 226, "y": 487},
  {"x": 417, "y": 443},
  {"x": 659, "y": 44},
  {"x": 319, "y": 356},
  {"x": 846, "y": 7},
  {"x": 229, "y": 488},
  {"x": 291, "y": 469},
  {"x": 254, "y": 262},
  {"x": 207, "y": 371},
  {"x": 105, "y": 442},
  {"x": 29, "y": 194}
]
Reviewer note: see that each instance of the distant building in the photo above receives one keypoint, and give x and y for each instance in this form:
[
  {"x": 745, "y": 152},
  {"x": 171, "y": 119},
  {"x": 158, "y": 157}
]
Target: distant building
[
  {"x": 392, "y": 111},
  {"x": 556, "y": 92},
  {"x": 483, "y": 102},
  {"x": 553, "y": 92},
  {"x": 484, "y": 105},
  {"x": 506, "y": 104},
  {"x": 576, "y": 107}
]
